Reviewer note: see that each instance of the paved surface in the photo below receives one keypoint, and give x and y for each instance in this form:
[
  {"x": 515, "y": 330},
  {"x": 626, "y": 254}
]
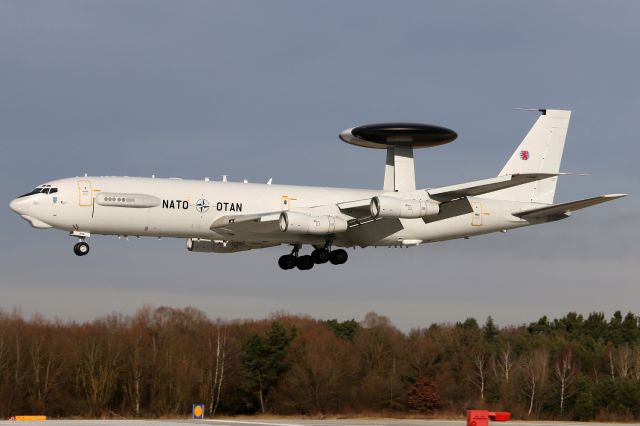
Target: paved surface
[{"x": 296, "y": 422}]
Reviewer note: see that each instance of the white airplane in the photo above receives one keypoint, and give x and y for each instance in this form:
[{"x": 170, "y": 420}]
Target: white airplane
[{"x": 226, "y": 217}]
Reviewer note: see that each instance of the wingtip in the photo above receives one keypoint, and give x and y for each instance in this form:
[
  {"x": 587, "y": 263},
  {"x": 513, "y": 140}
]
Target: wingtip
[
  {"x": 573, "y": 174},
  {"x": 615, "y": 195}
]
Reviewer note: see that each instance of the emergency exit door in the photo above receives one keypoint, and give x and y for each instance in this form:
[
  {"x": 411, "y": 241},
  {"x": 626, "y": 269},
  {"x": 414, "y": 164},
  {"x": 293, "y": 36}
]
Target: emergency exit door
[
  {"x": 476, "y": 218},
  {"x": 285, "y": 202},
  {"x": 85, "y": 194}
]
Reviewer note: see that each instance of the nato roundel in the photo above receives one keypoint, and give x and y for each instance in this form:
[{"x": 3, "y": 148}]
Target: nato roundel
[
  {"x": 202, "y": 205},
  {"x": 386, "y": 135}
]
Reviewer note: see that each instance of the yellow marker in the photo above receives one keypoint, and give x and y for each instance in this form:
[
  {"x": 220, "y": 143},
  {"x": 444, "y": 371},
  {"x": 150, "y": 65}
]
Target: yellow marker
[
  {"x": 27, "y": 418},
  {"x": 198, "y": 411}
]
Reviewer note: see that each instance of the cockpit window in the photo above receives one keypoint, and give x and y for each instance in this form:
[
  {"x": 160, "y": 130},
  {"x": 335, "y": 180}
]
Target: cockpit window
[{"x": 42, "y": 189}]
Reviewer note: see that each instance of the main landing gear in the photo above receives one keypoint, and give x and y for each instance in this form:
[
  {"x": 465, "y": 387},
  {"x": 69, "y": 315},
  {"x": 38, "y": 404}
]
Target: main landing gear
[{"x": 317, "y": 257}]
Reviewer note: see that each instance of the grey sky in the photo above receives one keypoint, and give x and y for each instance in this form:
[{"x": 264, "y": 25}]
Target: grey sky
[{"x": 261, "y": 89}]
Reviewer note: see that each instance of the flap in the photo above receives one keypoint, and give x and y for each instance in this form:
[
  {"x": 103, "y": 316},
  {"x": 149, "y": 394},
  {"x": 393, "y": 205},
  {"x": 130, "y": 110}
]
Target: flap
[
  {"x": 484, "y": 186},
  {"x": 565, "y": 208},
  {"x": 241, "y": 223},
  {"x": 356, "y": 208}
]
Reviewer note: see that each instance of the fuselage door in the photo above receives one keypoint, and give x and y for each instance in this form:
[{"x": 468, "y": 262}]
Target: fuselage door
[
  {"x": 85, "y": 194},
  {"x": 476, "y": 218},
  {"x": 285, "y": 202}
]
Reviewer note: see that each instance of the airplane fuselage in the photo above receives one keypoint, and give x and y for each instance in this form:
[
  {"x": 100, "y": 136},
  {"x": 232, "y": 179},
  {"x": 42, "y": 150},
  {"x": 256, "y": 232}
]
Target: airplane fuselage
[{"x": 187, "y": 209}]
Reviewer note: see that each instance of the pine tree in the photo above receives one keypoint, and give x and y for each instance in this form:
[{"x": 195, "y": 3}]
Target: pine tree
[{"x": 423, "y": 396}]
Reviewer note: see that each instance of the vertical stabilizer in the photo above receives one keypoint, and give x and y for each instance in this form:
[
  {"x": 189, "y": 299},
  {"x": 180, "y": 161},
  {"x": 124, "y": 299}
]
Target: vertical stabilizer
[{"x": 539, "y": 152}]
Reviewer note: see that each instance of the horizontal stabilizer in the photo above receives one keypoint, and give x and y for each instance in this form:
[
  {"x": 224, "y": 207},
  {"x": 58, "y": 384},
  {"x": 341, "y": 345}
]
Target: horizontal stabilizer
[
  {"x": 484, "y": 186},
  {"x": 565, "y": 208}
]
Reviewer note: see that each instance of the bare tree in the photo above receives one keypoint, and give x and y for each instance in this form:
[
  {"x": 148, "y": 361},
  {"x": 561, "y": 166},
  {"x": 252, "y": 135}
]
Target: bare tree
[
  {"x": 97, "y": 374},
  {"x": 218, "y": 370},
  {"x": 44, "y": 368},
  {"x": 480, "y": 369},
  {"x": 565, "y": 371},
  {"x": 135, "y": 374},
  {"x": 4, "y": 355},
  {"x": 535, "y": 372},
  {"x": 636, "y": 362},
  {"x": 623, "y": 361},
  {"x": 611, "y": 364},
  {"x": 505, "y": 362}
]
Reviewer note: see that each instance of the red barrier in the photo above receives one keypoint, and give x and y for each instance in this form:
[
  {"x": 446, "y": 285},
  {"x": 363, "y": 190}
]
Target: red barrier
[
  {"x": 482, "y": 417},
  {"x": 500, "y": 416}
]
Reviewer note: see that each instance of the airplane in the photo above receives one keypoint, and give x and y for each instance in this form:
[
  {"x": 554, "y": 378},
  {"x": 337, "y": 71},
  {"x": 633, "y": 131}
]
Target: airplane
[{"x": 228, "y": 217}]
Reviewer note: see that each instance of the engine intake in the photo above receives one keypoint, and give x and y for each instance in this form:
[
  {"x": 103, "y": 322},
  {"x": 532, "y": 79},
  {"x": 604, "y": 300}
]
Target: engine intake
[
  {"x": 397, "y": 208},
  {"x": 301, "y": 223}
]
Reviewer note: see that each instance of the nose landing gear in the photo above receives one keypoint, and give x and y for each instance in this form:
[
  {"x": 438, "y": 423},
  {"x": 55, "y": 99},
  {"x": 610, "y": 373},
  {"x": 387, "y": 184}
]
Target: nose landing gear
[{"x": 81, "y": 248}]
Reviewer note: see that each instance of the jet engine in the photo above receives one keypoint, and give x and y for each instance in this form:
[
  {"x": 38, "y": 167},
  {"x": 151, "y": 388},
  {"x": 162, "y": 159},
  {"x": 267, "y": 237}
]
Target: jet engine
[
  {"x": 397, "y": 208},
  {"x": 215, "y": 246},
  {"x": 301, "y": 223}
]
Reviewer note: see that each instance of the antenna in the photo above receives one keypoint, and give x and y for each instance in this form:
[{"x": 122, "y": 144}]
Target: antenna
[
  {"x": 269, "y": 181},
  {"x": 224, "y": 178}
]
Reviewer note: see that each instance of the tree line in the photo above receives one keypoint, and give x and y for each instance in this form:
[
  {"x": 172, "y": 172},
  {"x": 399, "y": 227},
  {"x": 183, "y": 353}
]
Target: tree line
[{"x": 159, "y": 361}]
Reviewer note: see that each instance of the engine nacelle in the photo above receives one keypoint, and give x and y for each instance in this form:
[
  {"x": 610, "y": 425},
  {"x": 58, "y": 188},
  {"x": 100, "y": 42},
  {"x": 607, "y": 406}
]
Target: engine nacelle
[
  {"x": 301, "y": 223},
  {"x": 215, "y": 246},
  {"x": 397, "y": 208}
]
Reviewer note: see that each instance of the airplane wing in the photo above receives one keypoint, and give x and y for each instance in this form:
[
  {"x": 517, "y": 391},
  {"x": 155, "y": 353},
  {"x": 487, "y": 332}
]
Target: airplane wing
[
  {"x": 246, "y": 223},
  {"x": 267, "y": 223},
  {"x": 478, "y": 187},
  {"x": 565, "y": 209}
]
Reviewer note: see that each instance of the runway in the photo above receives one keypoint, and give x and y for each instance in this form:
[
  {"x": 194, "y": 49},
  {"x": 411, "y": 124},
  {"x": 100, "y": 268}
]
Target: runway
[{"x": 299, "y": 422}]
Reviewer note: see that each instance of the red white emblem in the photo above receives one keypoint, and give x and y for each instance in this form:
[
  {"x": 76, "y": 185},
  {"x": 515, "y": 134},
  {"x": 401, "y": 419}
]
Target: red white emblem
[{"x": 524, "y": 155}]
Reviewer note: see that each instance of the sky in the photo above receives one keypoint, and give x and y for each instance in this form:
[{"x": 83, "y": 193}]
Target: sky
[{"x": 258, "y": 90}]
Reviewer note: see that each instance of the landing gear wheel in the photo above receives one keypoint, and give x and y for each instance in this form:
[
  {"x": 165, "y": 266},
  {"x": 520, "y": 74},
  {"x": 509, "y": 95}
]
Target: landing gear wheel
[
  {"x": 320, "y": 256},
  {"x": 288, "y": 261},
  {"x": 305, "y": 263},
  {"x": 338, "y": 257},
  {"x": 81, "y": 248}
]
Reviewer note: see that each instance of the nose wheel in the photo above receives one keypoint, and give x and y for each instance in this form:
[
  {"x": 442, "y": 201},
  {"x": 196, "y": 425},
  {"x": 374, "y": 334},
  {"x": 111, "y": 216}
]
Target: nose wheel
[{"x": 81, "y": 248}]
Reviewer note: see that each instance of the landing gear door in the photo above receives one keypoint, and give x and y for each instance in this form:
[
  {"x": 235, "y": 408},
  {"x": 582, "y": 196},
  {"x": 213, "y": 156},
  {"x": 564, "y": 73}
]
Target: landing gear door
[
  {"x": 476, "y": 218},
  {"x": 85, "y": 194}
]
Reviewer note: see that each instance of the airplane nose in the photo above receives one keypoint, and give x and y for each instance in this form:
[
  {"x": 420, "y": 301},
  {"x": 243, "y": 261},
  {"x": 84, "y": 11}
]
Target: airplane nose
[{"x": 19, "y": 206}]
